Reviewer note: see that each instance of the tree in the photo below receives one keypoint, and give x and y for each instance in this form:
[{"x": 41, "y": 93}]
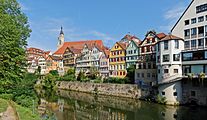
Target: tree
[
  {"x": 14, "y": 30},
  {"x": 54, "y": 72},
  {"x": 130, "y": 73}
]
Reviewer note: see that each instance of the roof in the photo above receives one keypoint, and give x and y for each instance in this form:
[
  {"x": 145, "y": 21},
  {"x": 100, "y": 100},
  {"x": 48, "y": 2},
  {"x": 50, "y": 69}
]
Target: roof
[
  {"x": 182, "y": 15},
  {"x": 55, "y": 57},
  {"x": 171, "y": 37},
  {"x": 122, "y": 45},
  {"x": 75, "y": 50},
  {"x": 161, "y": 35},
  {"x": 77, "y": 44}
]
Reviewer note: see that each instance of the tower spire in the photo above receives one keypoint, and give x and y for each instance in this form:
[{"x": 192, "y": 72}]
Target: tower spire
[{"x": 61, "y": 31}]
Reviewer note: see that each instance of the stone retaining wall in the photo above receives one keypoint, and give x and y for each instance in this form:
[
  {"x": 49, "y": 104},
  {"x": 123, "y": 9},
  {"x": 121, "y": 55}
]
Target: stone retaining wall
[{"x": 121, "y": 90}]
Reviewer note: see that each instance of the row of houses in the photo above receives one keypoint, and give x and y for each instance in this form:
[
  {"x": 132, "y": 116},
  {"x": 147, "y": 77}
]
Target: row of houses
[{"x": 163, "y": 61}]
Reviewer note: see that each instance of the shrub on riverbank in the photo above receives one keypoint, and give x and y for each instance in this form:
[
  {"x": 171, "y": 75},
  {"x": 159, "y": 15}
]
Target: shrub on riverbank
[
  {"x": 160, "y": 99},
  {"x": 116, "y": 80}
]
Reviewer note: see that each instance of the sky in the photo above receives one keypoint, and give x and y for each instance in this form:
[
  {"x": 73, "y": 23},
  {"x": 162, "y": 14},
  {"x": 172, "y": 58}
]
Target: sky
[{"x": 107, "y": 20}]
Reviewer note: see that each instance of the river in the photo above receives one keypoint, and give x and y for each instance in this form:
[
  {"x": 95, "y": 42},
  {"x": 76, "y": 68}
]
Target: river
[{"x": 70, "y": 105}]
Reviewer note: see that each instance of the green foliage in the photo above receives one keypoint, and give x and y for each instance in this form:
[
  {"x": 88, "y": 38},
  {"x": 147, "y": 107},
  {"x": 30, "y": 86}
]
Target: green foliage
[
  {"x": 26, "y": 114},
  {"x": 131, "y": 73},
  {"x": 14, "y": 30},
  {"x": 54, "y": 72},
  {"x": 71, "y": 71},
  {"x": 160, "y": 99},
  {"x": 116, "y": 80},
  {"x": 6, "y": 96},
  {"x": 81, "y": 76},
  {"x": 3, "y": 105},
  {"x": 49, "y": 81}
]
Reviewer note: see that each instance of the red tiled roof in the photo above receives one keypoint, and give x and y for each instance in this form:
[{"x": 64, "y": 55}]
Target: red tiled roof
[
  {"x": 171, "y": 37},
  {"x": 78, "y": 44},
  {"x": 75, "y": 50},
  {"x": 161, "y": 35}
]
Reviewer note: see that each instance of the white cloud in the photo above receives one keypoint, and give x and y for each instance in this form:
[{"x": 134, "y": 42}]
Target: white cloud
[{"x": 172, "y": 15}]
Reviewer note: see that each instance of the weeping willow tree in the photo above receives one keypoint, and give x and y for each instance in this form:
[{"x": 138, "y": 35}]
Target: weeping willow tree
[{"x": 14, "y": 31}]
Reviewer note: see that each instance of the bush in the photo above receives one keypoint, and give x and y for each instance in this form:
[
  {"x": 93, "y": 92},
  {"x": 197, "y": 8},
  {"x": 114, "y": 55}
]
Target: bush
[
  {"x": 116, "y": 80},
  {"x": 7, "y": 96},
  {"x": 160, "y": 99}
]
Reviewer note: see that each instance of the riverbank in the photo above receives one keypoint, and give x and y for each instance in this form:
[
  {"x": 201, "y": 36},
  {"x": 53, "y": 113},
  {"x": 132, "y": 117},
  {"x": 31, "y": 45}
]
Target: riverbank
[
  {"x": 11, "y": 111},
  {"x": 120, "y": 90}
]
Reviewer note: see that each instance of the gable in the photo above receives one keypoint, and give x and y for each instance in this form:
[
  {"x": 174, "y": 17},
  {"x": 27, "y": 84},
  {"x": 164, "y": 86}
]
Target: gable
[
  {"x": 188, "y": 14},
  {"x": 132, "y": 45}
]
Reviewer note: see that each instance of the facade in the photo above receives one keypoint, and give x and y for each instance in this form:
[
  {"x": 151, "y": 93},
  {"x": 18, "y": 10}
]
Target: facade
[
  {"x": 53, "y": 63},
  {"x": 192, "y": 26},
  {"x": 83, "y": 62},
  {"x": 104, "y": 64},
  {"x": 69, "y": 58},
  {"x": 169, "y": 68},
  {"x": 117, "y": 60},
  {"x": 146, "y": 70},
  {"x": 89, "y": 58},
  {"x": 33, "y": 54},
  {"x": 42, "y": 64},
  {"x": 132, "y": 53}
]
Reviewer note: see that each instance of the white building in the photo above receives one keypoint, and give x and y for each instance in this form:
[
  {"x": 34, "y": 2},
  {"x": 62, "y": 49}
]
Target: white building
[
  {"x": 192, "y": 26},
  {"x": 42, "y": 64},
  {"x": 168, "y": 54}
]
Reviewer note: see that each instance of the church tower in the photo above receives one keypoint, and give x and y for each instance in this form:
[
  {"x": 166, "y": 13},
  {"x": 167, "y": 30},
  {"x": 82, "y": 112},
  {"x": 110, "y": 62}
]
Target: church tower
[{"x": 60, "y": 39}]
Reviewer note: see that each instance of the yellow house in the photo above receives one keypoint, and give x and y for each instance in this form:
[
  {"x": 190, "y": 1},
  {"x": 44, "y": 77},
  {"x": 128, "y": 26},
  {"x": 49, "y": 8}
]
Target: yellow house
[{"x": 117, "y": 60}]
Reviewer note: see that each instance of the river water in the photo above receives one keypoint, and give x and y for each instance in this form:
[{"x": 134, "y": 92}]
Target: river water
[{"x": 69, "y": 105}]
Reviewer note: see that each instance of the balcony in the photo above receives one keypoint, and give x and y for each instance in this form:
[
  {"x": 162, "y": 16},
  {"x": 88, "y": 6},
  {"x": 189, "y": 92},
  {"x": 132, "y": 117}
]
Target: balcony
[
  {"x": 193, "y": 36},
  {"x": 201, "y": 35},
  {"x": 187, "y": 37}
]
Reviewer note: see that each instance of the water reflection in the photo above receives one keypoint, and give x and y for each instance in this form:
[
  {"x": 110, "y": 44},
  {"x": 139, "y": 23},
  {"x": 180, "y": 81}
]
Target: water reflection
[{"x": 71, "y": 105}]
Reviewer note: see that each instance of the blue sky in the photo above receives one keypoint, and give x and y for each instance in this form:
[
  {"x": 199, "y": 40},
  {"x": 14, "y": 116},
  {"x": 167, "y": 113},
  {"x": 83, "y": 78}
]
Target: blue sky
[{"x": 108, "y": 20}]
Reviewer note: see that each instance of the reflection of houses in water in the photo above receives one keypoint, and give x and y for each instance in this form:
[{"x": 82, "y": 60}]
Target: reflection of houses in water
[
  {"x": 61, "y": 104},
  {"x": 42, "y": 107}
]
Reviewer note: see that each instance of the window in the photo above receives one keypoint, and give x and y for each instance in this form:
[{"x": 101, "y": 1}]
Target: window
[
  {"x": 176, "y": 44},
  {"x": 175, "y": 70},
  {"x": 193, "y": 32},
  {"x": 201, "y": 19},
  {"x": 148, "y": 75},
  {"x": 163, "y": 93},
  {"x": 187, "y": 22},
  {"x": 187, "y": 33},
  {"x": 193, "y": 20},
  {"x": 165, "y": 45},
  {"x": 201, "y": 8},
  {"x": 175, "y": 94},
  {"x": 206, "y": 17},
  {"x": 153, "y": 75},
  {"x": 201, "y": 31},
  {"x": 158, "y": 70},
  {"x": 176, "y": 57},
  {"x": 200, "y": 42},
  {"x": 143, "y": 75},
  {"x": 149, "y": 65},
  {"x": 187, "y": 44},
  {"x": 135, "y": 51},
  {"x": 193, "y": 43},
  {"x": 138, "y": 75},
  {"x": 166, "y": 71},
  {"x": 166, "y": 58},
  {"x": 187, "y": 56}
]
